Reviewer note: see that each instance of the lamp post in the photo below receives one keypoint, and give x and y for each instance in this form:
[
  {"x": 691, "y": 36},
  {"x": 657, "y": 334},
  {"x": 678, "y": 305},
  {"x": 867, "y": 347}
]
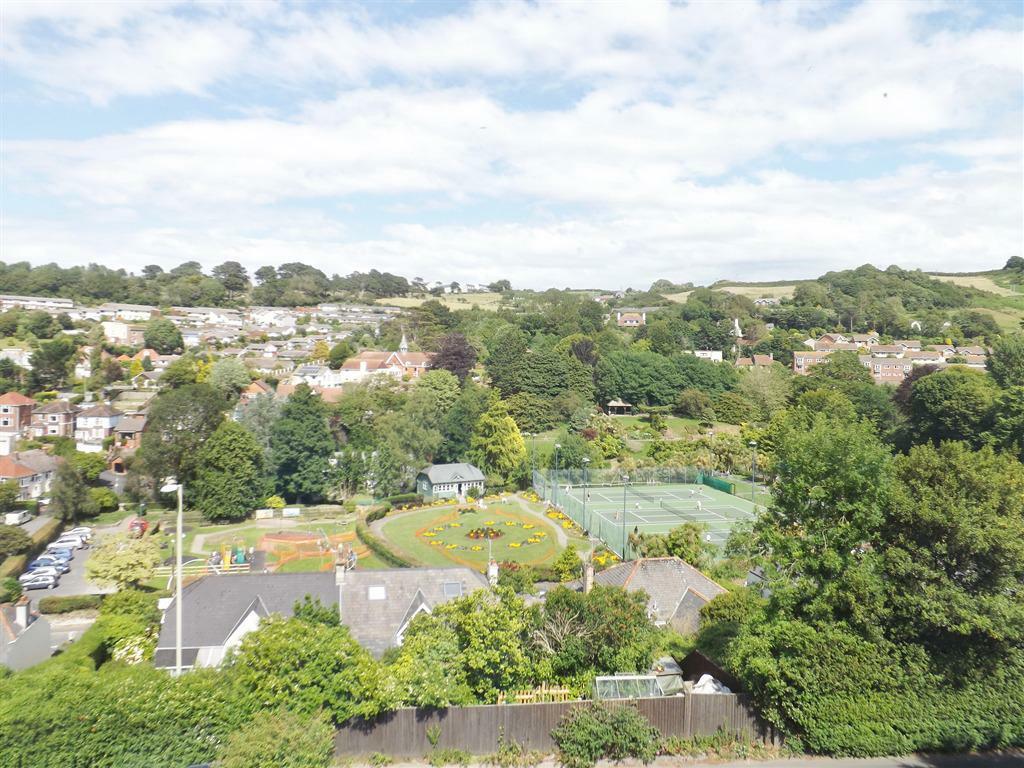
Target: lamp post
[
  {"x": 753, "y": 468},
  {"x": 586, "y": 523},
  {"x": 625, "y": 483},
  {"x": 171, "y": 484},
  {"x": 554, "y": 494}
]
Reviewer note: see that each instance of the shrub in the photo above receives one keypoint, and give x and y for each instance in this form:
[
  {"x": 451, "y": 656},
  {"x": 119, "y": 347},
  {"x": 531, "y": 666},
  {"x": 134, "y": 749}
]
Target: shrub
[
  {"x": 379, "y": 760},
  {"x": 587, "y": 734},
  {"x": 404, "y": 498},
  {"x": 13, "y": 541},
  {"x": 379, "y": 548},
  {"x": 275, "y": 502},
  {"x": 104, "y": 499},
  {"x": 68, "y": 603},
  {"x": 512, "y": 754},
  {"x": 568, "y": 565},
  {"x": 378, "y": 513},
  {"x": 10, "y": 589},
  {"x": 278, "y": 738},
  {"x": 134, "y": 603},
  {"x": 449, "y": 756}
]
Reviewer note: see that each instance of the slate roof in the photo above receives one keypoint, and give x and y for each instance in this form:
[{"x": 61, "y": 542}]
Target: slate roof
[
  {"x": 131, "y": 424},
  {"x": 99, "y": 411},
  {"x": 213, "y": 606},
  {"x": 676, "y": 590},
  {"x": 452, "y": 473},
  {"x": 399, "y": 592},
  {"x": 56, "y": 406}
]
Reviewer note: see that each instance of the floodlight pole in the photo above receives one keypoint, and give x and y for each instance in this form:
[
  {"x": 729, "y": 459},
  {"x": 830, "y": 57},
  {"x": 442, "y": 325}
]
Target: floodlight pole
[
  {"x": 554, "y": 495},
  {"x": 171, "y": 484},
  {"x": 753, "y": 469},
  {"x": 586, "y": 461},
  {"x": 625, "y": 511}
]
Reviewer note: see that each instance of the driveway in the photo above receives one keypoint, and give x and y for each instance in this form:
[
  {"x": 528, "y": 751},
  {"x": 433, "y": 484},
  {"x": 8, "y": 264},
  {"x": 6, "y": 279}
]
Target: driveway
[{"x": 35, "y": 524}]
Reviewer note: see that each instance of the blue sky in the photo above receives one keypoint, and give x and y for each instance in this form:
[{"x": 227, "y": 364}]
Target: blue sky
[{"x": 556, "y": 144}]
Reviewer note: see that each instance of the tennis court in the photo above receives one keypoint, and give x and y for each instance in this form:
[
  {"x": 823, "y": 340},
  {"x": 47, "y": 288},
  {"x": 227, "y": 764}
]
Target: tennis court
[{"x": 612, "y": 512}]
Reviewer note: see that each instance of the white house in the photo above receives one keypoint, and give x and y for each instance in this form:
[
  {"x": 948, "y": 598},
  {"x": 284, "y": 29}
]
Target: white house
[{"x": 94, "y": 425}]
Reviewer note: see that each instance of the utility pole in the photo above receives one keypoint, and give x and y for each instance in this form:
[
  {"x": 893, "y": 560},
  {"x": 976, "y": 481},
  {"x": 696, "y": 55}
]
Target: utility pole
[
  {"x": 586, "y": 522},
  {"x": 554, "y": 494},
  {"x": 753, "y": 469},
  {"x": 172, "y": 484},
  {"x": 625, "y": 483}
]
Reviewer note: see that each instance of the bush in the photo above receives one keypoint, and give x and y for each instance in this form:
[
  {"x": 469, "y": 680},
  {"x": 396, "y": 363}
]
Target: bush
[
  {"x": 278, "y": 738},
  {"x": 449, "y": 756},
  {"x": 404, "y": 498},
  {"x": 10, "y": 589},
  {"x": 104, "y": 499},
  {"x": 380, "y": 549},
  {"x": 68, "y": 603},
  {"x": 615, "y": 732},
  {"x": 133, "y": 603},
  {"x": 13, "y": 541},
  {"x": 378, "y": 513}
]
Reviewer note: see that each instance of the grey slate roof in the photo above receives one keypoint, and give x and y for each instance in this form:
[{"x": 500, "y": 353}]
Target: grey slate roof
[
  {"x": 452, "y": 473},
  {"x": 376, "y": 623},
  {"x": 100, "y": 410},
  {"x": 132, "y": 424},
  {"x": 676, "y": 590},
  {"x": 213, "y": 606}
]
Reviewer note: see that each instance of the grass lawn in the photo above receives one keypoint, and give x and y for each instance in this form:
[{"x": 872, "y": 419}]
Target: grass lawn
[{"x": 442, "y": 536}]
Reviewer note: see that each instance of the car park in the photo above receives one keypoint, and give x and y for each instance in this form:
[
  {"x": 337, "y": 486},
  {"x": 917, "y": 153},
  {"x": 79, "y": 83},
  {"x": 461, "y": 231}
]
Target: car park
[
  {"x": 58, "y": 549},
  {"x": 43, "y": 570},
  {"x": 39, "y": 582},
  {"x": 46, "y": 561},
  {"x": 81, "y": 531}
]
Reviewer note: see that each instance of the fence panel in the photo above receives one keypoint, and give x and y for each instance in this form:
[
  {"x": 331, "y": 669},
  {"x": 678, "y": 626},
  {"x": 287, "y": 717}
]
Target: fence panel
[{"x": 403, "y": 733}]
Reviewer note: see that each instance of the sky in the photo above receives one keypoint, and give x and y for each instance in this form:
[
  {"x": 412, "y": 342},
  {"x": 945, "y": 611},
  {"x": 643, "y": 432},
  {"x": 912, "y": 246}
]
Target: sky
[{"x": 583, "y": 144}]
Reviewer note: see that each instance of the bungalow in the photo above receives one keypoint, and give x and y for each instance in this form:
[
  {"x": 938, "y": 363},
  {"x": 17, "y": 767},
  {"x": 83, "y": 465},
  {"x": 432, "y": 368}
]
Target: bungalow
[
  {"x": 676, "y": 591},
  {"x": 376, "y": 605},
  {"x": 446, "y": 481},
  {"x": 630, "y": 319},
  {"x": 55, "y": 418},
  {"x": 757, "y": 361}
]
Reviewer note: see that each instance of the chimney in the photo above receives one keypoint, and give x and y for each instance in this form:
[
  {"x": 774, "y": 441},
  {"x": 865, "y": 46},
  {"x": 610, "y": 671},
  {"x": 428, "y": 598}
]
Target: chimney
[
  {"x": 21, "y": 612},
  {"x": 588, "y": 577},
  {"x": 492, "y": 572}
]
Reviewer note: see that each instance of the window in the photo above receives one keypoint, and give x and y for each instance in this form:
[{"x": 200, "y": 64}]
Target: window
[
  {"x": 5, "y": 409},
  {"x": 376, "y": 592},
  {"x": 452, "y": 589},
  {"x": 5, "y": 422}
]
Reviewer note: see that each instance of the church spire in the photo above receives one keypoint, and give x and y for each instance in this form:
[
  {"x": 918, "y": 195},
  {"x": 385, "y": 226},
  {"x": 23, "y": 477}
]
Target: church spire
[{"x": 403, "y": 345}]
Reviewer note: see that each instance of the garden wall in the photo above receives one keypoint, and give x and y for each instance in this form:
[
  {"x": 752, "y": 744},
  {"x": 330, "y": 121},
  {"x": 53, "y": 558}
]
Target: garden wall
[{"x": 403, "y": 733}]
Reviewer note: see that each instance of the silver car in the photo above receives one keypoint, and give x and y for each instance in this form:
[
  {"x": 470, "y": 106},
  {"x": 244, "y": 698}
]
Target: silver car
[
  {"x": 45, "y": 570},
  {"x": 39, "y": 582}
]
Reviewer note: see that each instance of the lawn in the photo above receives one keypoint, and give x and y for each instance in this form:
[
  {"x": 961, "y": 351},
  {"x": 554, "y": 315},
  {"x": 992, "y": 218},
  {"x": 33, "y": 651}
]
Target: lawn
[{"x": 450, "y": 535}]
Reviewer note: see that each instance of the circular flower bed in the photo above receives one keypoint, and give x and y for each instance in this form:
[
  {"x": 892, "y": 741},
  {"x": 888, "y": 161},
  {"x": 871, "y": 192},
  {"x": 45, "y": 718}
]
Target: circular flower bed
[{"x": 487, "y": 532}]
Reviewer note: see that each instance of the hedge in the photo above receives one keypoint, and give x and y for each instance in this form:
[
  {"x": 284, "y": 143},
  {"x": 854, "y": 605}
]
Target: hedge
[
  {"x": 15, "y": 565},
  {"x": 404, "y": 498},
  {"x": 380, "y": 549},
  {"x": 378, "y": 514},
  {"x": 68, "y": 603}
]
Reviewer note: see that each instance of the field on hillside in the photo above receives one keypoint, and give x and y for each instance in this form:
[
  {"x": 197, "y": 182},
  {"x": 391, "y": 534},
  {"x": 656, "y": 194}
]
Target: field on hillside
[
  {"x": 981, "y": 282},
  {"x": 450, "y": 300},
  {"x": 750, "y": 290}
]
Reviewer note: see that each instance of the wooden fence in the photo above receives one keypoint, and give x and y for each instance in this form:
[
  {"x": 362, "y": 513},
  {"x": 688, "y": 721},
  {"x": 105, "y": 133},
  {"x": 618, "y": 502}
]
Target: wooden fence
[{"x": 403, "y": 733}]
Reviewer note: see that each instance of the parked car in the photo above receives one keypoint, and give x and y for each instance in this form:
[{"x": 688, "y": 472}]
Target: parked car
[
  {"x": 48, "y": 561},
  {"x": 39, "y": 582},
  {"x": 43, "y": 570},
  {"x": 17, "y": 518},
  {"x": 69, "y": 541},
  {"x": 83, "y": 531},
  {"x": 60, "y": 549},
  {"x": 137, "y": 527}
]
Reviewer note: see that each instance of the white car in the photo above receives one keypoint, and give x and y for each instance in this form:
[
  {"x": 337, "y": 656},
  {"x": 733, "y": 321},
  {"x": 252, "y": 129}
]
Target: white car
[
  {"x": 46, "y": 570},
  {"x": 68, "y": 541},
  {"x": 82, "y": 531}
]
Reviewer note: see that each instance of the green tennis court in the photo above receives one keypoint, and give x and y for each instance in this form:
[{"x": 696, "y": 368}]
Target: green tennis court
[{"x": 612, "y": 512}]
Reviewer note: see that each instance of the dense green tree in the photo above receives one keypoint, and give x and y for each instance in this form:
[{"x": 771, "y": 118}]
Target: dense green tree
[
  {"x": 429, "y": 670},
  {"x": 1008, "y": 421},
  {"x": 497, "y": 446},
  {"x": 339, "y": 353},
  {"x": 767, "y": 388},
  {"x": 688, "y": 542},
  {"x": 52, "y": 363},
  {"x": 229, "y": 376},
  {"x": 461, "y": 420},
  {"x": 123, "y": 561},
  {"x": 952, "y": 404},
  {"x": 312, "y": 611},
  {"x": 695, "y": 404},
  {"x": 279, "y": 739},
  {"x": 455, "y": 354},
  {"x": 9, "y": 495},
  {"x": 307, "y": 667},
  {"x": 506, "y": 360},
  {"x": 232, "y": 276},
  {"x": 13, "y": 541},
  {"x": 180, "y": 421},
  {"x": 640, "y": 378},
  {"x": 258, "y": 416},
  {"x": 1006, "y": 363},
  {"x": 230, "y": 477},
  {"x": 163, "y": 336},
  {"x": 953, "y": 549},
  {"x": 69, "y": 495},
  {"x": 301, "y": 446},
  {"x": 733, "y": 408}
]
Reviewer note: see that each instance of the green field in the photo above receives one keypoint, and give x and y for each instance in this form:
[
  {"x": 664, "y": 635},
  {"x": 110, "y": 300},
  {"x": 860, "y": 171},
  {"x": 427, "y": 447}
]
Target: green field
[
  {"x": 442, "y": 536},
  {"x": 451, "y": 300}
]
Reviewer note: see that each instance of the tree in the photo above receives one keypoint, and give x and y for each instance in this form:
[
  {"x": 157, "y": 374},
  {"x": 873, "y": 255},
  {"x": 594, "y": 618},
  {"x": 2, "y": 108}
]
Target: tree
[
  {"x": 9, "y": 495},
  {"x": 52, "y": 363},
  {"x": 687, "y": 542},
  {"x": 953, "y": 549},
  {"x": 301, "y": 446},
  {"x": 952, "y": 404},
  {"x": 180, "y": 421},
  {"x": 278, "y": 739},
  {"x": 88, "y": 465},
  {"x": 163, "y": 336},
  {"x": 506, "y": 359},
  {"x": 307, "y": 667},
  {"x": 455, "y": 354},
  {"x": 1008, "y": 421},
  {"x": 532, "y": 413},
  {"x": 229, "y": 376},
  {"x": 312, "y": 611},
  {"x": 497, "y": 445},
  {"x": 13, "y": 541},
  {"x": 69, "y": 495},
  {"x": 461, "y": 420},
  {"x": 766, "y": 388},
  {"x": 123, "y": 561},
  {"x": 568, "y": 565},
  {"x": 640, "y": 378},
  {"x": 232, "y": 276},
  {"x": 732, "y": 408},
  {"x": 500, "y": 286},
  {"x": 338, "y": 354},
  {"x": 429, "y": 670},
  {"x": 230, "y": 477},
  {"x": 1006, "y": 363},
  {"x": 258, "y": 416},
  {"x": 695, "y": 404}
]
